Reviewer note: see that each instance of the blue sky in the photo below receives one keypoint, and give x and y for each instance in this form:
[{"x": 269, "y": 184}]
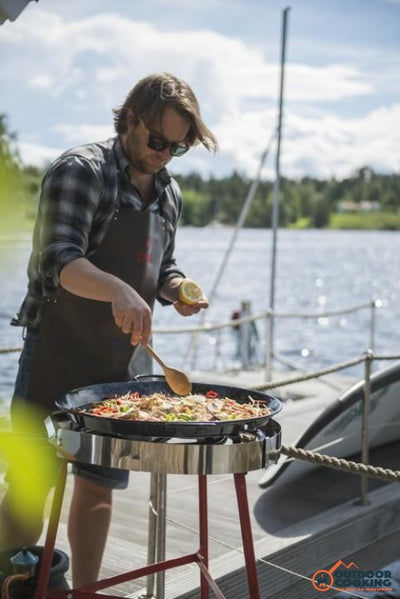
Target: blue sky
[{"x": 65, "y": 64}]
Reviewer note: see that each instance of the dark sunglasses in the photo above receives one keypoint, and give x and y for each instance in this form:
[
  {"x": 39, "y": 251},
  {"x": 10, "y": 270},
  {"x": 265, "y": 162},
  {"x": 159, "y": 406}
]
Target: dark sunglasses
[{"x": 158, "y": 144}]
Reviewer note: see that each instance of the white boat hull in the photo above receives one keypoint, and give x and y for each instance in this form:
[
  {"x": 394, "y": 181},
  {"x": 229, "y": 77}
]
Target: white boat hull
[{"x": 337, "y": 431}]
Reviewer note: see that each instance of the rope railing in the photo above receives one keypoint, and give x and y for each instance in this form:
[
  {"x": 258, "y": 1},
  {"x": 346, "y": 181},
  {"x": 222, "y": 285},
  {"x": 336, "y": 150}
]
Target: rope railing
[
  {"x": 307, "y": 377},
  {"x": 267, "y": 316},
  {"x": 207, "y": 327},
  {"x": 318, "y": 373},
  {"x": 318, "y": 314},
  {"x": 348, "y": 466},
  {"x": 8, "y": 350}
]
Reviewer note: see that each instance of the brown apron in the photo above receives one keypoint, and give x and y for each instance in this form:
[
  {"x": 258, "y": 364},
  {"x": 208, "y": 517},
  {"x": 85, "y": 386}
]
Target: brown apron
[{"x": 79, "y": 343}]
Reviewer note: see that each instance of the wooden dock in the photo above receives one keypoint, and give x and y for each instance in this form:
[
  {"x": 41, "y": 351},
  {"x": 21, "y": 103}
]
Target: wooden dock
[{"x": 298, "y": 527}]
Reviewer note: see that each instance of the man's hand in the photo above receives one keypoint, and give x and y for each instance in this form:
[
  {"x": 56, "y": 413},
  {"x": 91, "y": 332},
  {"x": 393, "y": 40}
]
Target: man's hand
[
  {"x": 131, "y": 314},
  {"x": 170, "y": 291},
  {"x": 190, "y": 309}
]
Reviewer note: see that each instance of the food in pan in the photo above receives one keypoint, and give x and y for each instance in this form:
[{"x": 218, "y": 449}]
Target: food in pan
[{"x": 162, "y": 407}]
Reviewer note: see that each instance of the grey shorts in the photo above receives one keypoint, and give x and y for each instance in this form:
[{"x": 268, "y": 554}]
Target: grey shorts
[{"x": 113, "y": 478}]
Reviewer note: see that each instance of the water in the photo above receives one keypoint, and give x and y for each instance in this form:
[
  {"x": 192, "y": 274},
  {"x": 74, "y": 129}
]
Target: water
[{"x": 316, "y": 271}]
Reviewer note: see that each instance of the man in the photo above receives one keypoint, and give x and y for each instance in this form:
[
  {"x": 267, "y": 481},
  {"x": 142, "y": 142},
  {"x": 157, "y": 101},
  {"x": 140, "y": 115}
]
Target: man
[{"x": 103, "y": 251}]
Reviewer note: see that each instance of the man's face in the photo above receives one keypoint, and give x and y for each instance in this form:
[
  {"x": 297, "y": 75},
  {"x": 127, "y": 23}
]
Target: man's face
[{"x": 173, "y": 128}]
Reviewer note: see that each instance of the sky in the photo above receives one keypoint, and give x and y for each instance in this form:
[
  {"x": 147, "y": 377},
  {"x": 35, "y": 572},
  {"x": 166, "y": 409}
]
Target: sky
[{"x": 64, "y": 64}]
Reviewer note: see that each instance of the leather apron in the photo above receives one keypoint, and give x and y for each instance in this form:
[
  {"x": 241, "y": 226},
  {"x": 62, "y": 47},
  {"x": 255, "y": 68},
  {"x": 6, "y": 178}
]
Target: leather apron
[{"x": 78, "y": 342}]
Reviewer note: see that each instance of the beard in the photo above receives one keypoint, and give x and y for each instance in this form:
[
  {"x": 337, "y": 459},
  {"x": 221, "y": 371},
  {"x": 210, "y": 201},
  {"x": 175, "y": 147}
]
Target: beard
[{"x": 143, "y": 160}]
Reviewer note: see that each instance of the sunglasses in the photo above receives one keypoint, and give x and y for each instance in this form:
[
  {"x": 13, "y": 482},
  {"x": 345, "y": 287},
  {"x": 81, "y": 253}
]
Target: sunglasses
[{"x": 158, "y": 144}]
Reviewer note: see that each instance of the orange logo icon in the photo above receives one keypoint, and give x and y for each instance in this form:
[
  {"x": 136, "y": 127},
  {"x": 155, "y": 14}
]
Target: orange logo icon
[{"x": 323, "y": 580}]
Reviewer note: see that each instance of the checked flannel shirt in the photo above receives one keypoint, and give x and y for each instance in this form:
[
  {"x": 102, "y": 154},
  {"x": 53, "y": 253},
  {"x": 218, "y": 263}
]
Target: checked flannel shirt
[{"x": 79, "y": 194}]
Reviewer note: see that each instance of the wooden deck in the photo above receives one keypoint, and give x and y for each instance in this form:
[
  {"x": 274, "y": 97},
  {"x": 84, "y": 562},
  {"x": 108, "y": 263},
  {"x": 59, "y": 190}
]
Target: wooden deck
[{"x": 299, "y": 527}]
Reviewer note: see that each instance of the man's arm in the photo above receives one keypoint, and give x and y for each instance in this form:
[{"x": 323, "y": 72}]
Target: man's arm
[
  {"x": 131, "y": 313},
  {"x": 70, "y": 202}
]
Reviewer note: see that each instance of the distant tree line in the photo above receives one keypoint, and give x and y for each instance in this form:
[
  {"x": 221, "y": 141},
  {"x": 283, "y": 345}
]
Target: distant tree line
[
  {"x": 19, "y": 184},
  {"x": 306, "y": 202},
  {"x": 365, "y": 200}
]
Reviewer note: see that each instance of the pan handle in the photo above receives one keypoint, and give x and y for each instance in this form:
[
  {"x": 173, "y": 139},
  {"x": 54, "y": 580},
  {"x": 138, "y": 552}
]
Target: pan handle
[{"x": 149, "y": 377}]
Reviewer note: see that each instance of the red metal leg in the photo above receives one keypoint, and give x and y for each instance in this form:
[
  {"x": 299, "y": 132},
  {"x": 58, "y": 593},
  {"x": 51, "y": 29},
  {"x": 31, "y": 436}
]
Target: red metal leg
[
  {"x": 52, "y": 527},
  {"x": 203, "y": 533},
  {"x": 247, "y": 536},
  {"x": 202, "y": 556}
]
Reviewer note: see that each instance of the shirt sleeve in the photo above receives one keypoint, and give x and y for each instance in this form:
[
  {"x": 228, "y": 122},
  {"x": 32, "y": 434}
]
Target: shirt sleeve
[
  {"x": 171, "y": 210},
  {"x": 71, "y": 193}
]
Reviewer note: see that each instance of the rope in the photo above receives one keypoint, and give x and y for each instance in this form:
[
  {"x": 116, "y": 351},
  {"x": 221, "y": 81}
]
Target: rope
[
  {"x": 312, "y": 375},
  {"x": 267, "y": 314},
  {"x": 319, "y": 314},
  {"x": 341, "y": 464},
  {"x": 7, "y": 350},
  {"x": 318, "y": 373}
]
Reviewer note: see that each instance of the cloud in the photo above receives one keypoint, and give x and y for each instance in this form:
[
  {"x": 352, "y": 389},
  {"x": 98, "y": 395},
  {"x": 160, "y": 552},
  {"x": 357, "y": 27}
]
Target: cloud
[
  {"x": 323, "y": 146},
  {"x": 37, "y": 155},
  {"x": 331, "y": 83},
  {"x": 331, "y": 146},
  {"x": 110, "y": 49},
  {"x": 75, "y": 134},
  {"x": 75, "y": 71}
]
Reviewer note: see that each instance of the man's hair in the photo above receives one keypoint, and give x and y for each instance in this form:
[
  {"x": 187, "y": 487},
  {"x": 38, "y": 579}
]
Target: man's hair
[{"x": 152, "y": 95}]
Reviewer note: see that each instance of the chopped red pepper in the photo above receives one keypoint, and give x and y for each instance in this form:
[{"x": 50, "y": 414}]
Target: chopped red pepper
[{"x": 211, "y": 394}]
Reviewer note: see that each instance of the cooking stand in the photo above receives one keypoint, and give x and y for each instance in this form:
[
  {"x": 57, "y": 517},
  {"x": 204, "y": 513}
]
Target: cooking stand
[{"x": 247, "y": 451}]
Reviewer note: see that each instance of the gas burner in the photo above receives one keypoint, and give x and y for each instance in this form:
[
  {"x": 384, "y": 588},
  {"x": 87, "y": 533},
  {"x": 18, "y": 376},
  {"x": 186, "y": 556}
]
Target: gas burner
[{"x": 246, "y": 451}]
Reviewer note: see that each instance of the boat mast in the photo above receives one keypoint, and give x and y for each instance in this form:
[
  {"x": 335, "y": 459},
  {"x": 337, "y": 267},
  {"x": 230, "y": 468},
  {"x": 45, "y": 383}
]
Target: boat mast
[
  {"x": 239, "y": 224},
  {"x": 275, "y": 208}
]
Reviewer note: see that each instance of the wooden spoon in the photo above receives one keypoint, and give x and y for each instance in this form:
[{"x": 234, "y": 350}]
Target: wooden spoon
[{"x": 176, "y": 379}]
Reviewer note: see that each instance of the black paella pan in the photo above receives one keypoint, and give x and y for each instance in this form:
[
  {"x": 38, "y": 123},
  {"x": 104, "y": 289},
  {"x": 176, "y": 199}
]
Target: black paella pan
[{"x": 85, "y": 397}]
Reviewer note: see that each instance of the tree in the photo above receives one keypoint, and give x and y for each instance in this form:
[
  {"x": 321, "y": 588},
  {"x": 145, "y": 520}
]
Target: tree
[
  {"x": 321, "y": 213},
  {"x": 18, "y": 186}
]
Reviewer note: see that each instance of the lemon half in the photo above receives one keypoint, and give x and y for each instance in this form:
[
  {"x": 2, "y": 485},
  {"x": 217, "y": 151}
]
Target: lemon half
[{"x": 190, "y": 292}]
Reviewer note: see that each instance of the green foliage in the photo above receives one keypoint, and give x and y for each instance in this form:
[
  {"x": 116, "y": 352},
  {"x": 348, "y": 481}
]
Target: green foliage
[
  {"x": 18, "y": 185},
  {"x": 196, "y": 209},
  {"x": 321, "y": 213},
  {"x": 383, "y": 221},
  {"x": 11, "y": 188},
  {"x": 301, "y": 223}
]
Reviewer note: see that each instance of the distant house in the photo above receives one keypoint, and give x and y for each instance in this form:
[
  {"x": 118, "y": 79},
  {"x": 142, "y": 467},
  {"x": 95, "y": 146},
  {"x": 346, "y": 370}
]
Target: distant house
[{"x": 364, "y": 206}]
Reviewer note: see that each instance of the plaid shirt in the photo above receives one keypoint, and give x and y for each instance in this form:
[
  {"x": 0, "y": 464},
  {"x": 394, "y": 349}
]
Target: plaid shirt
[{"x": 79, "y": 194}]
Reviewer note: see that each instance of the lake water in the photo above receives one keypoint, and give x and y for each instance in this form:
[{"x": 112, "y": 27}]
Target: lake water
[{"x": 315, "y": 271}]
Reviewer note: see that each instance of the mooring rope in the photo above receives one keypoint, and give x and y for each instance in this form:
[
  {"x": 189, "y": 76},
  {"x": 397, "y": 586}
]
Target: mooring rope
[
  {"x": 341, "y": 464},
  {"x": 311, "y": 375},
  {"x": 318, "y": 373}
]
